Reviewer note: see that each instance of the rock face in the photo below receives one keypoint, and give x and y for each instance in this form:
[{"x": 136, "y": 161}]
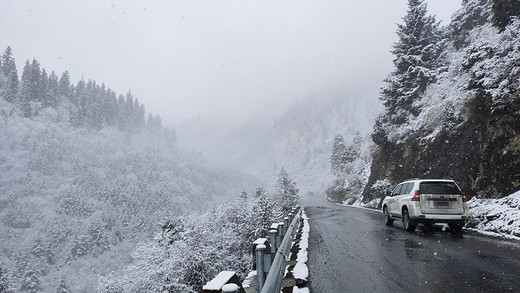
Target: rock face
[{"x": 482, "y": 154}]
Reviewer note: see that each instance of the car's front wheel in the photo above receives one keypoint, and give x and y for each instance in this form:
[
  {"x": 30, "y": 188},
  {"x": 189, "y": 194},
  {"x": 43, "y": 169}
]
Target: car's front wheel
[
  {"x": 388, "y": 221},
  {"x": 408, "y": 223}
]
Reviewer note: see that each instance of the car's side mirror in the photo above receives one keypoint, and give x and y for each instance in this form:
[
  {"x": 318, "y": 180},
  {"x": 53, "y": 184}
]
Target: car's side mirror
[{"x": 389, "y": 192}]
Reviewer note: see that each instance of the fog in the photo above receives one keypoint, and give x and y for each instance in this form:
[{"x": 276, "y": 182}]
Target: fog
[{"x": 225, "y": 61}]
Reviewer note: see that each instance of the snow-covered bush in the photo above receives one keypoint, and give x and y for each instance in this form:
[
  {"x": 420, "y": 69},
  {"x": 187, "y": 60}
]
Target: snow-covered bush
[{"x": 193, "y": 249}]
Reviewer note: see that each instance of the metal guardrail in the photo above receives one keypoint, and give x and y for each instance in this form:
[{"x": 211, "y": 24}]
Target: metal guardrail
[
  {"x": 273, "y": 282},
  {"x": 269, "y": 259}
]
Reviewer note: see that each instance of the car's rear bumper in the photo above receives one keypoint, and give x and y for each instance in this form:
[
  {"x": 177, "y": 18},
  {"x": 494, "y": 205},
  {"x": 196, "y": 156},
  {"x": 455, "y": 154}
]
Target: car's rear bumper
[{"x": 440, "y": 218}]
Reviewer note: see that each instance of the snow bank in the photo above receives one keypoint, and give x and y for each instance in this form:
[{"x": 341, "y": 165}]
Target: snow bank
[
  {"x": 301, "y": 271},
  {"x": 501, "y": 216}
]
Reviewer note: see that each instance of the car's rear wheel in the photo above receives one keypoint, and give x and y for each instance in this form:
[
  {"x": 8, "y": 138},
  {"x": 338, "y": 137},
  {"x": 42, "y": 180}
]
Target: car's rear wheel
[
  {"x": 388, "y": 221},
  {"x": 409, "y": 224}
]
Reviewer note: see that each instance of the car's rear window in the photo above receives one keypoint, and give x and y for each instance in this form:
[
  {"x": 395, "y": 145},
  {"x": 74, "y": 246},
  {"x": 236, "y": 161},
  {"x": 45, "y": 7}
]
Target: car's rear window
[{"x": 438, "y": 188}]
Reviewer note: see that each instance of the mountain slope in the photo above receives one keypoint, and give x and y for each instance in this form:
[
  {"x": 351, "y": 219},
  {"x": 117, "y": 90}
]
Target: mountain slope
[
  {"x": 468, "y": 125},
  {"x": 301, "y": 139},
  {"x": 76, "y": 201}
]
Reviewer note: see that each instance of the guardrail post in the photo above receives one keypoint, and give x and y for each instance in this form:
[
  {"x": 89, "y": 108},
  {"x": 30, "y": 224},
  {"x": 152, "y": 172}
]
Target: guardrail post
[
  {"x": 280, "y": 235},
  {"x": 285, "y": 225},
  {"x": 273, "y": 233},
  {"x": 260, "y": 275},
  {"x": 230, "y": 288}
]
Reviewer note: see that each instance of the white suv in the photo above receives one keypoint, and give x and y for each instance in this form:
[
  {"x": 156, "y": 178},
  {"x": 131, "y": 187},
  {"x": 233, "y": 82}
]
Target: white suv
[{"x": 426, "y": 201}]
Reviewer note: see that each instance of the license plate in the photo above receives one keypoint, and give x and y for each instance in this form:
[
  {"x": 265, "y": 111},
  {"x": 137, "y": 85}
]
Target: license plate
[{"x": 442, "y": 204}]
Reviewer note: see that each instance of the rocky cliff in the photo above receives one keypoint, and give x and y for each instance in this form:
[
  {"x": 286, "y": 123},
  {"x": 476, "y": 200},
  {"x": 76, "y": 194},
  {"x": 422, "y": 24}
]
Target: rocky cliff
[{"x": 467, "y": 123}]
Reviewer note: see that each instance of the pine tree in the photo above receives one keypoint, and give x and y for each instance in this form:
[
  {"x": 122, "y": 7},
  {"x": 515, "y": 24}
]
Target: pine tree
[
  {"x": 51, "y": 91},
  {"x": 30, "y": 282},
  {"x": 126, "y": 114},
  {"x": 64, "y": 84},
  {"x": 31, "y": 86},
  {"x": 338, "y": 151},
  {"x": 137, "y": 116},
  {"x": 8, "y": 69},
  {"x": 418, "y": 56},
  {"x": 32, "y": 82},
  {"x": 78, "y": 117},
  {"x": 472, "y": 14},
  {"x": 154, "y": 122},
  {"x": 287, "y": 191},
  {"x": 93, "y": 105},
  {"x": 263, "y": 212},
  {"x": 353, "y": 151},
  {"x": 121, "y": 121},
  {"x": 110, "y": 107}
]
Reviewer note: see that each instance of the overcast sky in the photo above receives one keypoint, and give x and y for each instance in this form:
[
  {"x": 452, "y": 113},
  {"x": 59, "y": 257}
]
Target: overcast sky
[{"x": 185, "y": 58}]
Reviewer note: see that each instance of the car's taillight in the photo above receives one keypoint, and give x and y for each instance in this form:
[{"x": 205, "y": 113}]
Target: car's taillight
[
  {"x": 464, "y": 197},
  {"x": 416, "y": 196}
]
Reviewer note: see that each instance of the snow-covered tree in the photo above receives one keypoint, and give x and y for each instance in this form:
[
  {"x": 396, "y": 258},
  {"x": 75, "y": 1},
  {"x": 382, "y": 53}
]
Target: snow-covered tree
[
  {"x": 8, "y": 69},
  {"x": 353, "y": 175},
  {"x": 31, "y": 282},
  {"x": 353, "y": 151},
  {"x": 473, "y": 13},
  {"x": 64, "y": 85},
  {"x": 494, "y": 70},
  {"x": 264, "y": 212},
  {"x": 504, "y": 11},
  {"x": 286, "y": 191},
  {"x": 51, "y": 93},
  {"x": 418, "y": 59},
  {"x": 338, "y": 150},
  {"x": 31, "y": 86}
]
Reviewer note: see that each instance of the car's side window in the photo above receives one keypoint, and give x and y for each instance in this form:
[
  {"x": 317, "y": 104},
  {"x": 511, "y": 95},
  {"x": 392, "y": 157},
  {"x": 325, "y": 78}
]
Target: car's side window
[
  {"x": 397, "y": 190},
  {"x": 408, "y": 188}
]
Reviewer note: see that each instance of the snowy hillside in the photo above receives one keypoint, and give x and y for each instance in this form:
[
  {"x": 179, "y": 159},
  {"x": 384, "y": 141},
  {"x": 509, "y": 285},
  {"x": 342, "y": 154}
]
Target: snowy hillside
[
  {"x": 85, "y": 179},
  {"x": 301, "y": 139},
  {"x": 453, "y": 114},
  {"x": 75, "y": 202}
]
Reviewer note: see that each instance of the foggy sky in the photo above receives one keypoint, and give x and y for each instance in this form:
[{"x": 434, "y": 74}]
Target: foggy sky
[{"x": 210, "y": 58}]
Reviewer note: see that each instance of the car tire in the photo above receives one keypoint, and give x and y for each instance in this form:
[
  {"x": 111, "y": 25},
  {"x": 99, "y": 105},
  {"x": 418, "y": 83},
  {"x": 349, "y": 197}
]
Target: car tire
[
  {"x": 408, "y": 224},
  {"x": 388, "y": 221}
]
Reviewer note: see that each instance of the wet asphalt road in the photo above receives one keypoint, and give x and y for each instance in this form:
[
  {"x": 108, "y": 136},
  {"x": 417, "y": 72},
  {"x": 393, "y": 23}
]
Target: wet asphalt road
[{"x": 351, "y": 250}]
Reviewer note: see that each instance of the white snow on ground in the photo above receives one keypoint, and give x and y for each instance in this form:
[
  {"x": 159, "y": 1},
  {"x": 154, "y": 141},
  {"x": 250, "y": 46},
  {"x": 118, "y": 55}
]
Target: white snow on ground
[
  {"x": 301, "y": 271},
  {"x": 497, "y": 217}
]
